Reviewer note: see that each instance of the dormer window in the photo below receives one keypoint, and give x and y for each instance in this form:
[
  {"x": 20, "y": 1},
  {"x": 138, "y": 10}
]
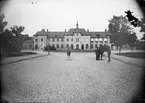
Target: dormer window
[{"x": 41, "y": 39}]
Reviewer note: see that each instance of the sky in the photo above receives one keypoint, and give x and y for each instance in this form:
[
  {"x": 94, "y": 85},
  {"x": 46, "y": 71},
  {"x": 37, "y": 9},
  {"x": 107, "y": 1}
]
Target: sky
[{"x": 58, "y": 15}]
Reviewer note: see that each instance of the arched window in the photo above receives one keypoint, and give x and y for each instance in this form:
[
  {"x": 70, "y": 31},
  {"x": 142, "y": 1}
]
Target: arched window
[
  {"x": 72, "y": 47},
  {"x": 36, "y": 40},
  {"x": 71, "y": 39},
  {"x": 57, "y": 45},
  {"x": 82, "y": 46},
  {"x": 87, "y": 46},
  {"x": 67, "y": 45},
  {"x": 41, "y": 39},
  {"x": 96, "y": 45},
  {"x": 61, "y": 45},
  {"x": 67, "y": 39},
  {"x": 36, "y": 46},
  {"x": 91, "y": 45}
]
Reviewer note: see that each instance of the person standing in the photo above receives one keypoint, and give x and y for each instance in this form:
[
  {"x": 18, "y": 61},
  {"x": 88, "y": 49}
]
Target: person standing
[
  {"x": 109, "y": 53},
  {"x": 68, "y": 53},
  {"x": 48, "y": 49},
  {"x": 97, "y": 53},
  {"x": 101, "y": 50}
]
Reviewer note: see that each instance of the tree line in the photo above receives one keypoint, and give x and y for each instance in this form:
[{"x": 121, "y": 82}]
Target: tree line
[
  {"x": 122, "y": 32},
  {"x": 11, "y": 40}
]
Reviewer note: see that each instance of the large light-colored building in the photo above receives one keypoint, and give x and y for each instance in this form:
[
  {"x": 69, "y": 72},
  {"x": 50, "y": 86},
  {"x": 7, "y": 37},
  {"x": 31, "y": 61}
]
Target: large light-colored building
[{"x": 76, "y": 38}]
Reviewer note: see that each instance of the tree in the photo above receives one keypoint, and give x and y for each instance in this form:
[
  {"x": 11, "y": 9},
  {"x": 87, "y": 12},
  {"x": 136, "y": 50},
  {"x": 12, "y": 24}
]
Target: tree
[
  {"x": 18, "y": 36},
  {"x": 142, "y": 25},
  {"x": 132, "y": 19},
  {"x": 132, "y": 39},
  {"x": 143, "y": 38},
  {"x": 2, "y": 26},
  {"x": 120, "y": 27},
  {"x": 2, "y": 23}
]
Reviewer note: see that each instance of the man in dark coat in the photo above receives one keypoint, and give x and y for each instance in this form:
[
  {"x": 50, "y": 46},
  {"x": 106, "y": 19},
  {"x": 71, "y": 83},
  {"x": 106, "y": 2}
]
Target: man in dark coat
[
  {"x": 68, "y": 53},
  {"x": 97, "y": 52},
  {"x": 101, "y": 50}
]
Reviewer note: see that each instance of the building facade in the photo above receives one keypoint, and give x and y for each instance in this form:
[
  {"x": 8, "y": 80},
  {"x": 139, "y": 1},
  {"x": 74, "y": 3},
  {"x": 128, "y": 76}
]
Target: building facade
[{"x": 75, "y": 38}]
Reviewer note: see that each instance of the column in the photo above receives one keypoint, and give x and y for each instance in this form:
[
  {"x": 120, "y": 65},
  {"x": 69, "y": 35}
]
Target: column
[{"x": 108, "y": 40}]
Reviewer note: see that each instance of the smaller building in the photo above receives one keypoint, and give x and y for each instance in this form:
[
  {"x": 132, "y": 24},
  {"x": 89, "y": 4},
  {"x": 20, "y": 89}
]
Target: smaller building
[{"x": 28, "y": 44}]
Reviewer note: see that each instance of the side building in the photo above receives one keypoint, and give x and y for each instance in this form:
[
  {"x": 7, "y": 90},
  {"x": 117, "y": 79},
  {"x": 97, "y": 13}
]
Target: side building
[{"x": 76, "y": 38}]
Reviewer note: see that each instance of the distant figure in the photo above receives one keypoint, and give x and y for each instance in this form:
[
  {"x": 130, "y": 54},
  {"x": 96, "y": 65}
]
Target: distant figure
[
  {"x": 97, "y": 53},
  {"x": 68, "y": 53},
  {"x": 109, "y": 53},
  {"x": 48, "y": 50},
  {"x": 101, "y": 51}
]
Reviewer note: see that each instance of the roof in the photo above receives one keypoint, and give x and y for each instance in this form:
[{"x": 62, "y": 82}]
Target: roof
[
  {"x": 77, "y": 30},
  {"x": 29, "y": 41},
  {"x": 71, "y": 32}
]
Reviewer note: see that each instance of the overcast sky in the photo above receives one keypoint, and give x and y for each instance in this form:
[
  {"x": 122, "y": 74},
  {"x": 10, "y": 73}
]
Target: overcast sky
[{"x": 57, "y": 15}]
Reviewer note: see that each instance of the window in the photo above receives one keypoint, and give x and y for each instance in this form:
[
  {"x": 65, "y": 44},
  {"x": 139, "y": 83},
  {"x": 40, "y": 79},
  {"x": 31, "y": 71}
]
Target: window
[
  {"x": 96, "y": 41},
  {"x": 57, "y": 45},
  {"x": 91, "y": 45},
  {"x": 36, "y": 40},
  {"x": 72, "y": 46},
  {"x": 87, "y": 46},
  {"x": 105, "y": 39},
  {"x": 53, "y": 39},
  {"x": 100, "y": 39},
  {"x": 62, "y": 39},
  {"x": 92, "y": 39},
  {"x": 61, "y": 45},
  {"x": 71, "y": 39},
  {"x": 41, "y": 39},
  {"x": 67, "y": 39},
  {"x": 53, "y": 45},
  {"x": 77, "y": 39},
  {"x": 96, "y": 45},
  {"x": 36, "y": 47},
  {"x": 67, "y": 45},
  {"x": 57, "y": 39}
]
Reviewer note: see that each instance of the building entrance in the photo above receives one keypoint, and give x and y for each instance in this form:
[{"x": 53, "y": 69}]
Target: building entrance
[{"x": 77, "y": 46}]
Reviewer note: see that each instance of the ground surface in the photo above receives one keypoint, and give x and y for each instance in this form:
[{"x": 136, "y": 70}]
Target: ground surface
[
  {"x": 82, "y": 79},
  {"x": 133, "y": 54}
]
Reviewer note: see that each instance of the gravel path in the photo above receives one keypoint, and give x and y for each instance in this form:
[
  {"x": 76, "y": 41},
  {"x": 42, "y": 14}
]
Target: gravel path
[{"x": 54, "y": 79}]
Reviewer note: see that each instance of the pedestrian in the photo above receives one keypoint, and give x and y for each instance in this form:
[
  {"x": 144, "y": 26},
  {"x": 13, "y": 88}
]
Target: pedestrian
[
  {"x": 109, "y": 53},
  {"x": 101, "y": 50},
  {"x": 48, "y": 50},
  {"x": 68, "y": 53},
  {"x": 97, "y": 53}
]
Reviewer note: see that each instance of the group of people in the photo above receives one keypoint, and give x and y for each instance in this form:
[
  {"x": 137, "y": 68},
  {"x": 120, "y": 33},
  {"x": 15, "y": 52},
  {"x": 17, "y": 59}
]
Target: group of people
[{"x": 100, "y": 51}]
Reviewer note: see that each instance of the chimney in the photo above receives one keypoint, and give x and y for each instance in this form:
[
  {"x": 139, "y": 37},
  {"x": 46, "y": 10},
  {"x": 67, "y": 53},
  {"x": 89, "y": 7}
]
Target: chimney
[
  {"x": 65, "y": 30},
  {"x": 87, "y": 30},
  {"x": 47, "y": 30},
  {"x": 105, "y": 30}
]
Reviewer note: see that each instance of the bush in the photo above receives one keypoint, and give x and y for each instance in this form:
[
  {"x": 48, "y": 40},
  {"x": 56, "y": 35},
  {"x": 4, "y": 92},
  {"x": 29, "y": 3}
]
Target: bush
[
  {"x": 46, "y": 48},
  {"x": 140, "y": 45}
]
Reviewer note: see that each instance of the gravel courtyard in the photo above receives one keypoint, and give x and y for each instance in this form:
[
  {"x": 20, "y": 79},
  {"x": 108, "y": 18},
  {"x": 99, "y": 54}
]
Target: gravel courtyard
[{"x": 82, "y": 79}]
